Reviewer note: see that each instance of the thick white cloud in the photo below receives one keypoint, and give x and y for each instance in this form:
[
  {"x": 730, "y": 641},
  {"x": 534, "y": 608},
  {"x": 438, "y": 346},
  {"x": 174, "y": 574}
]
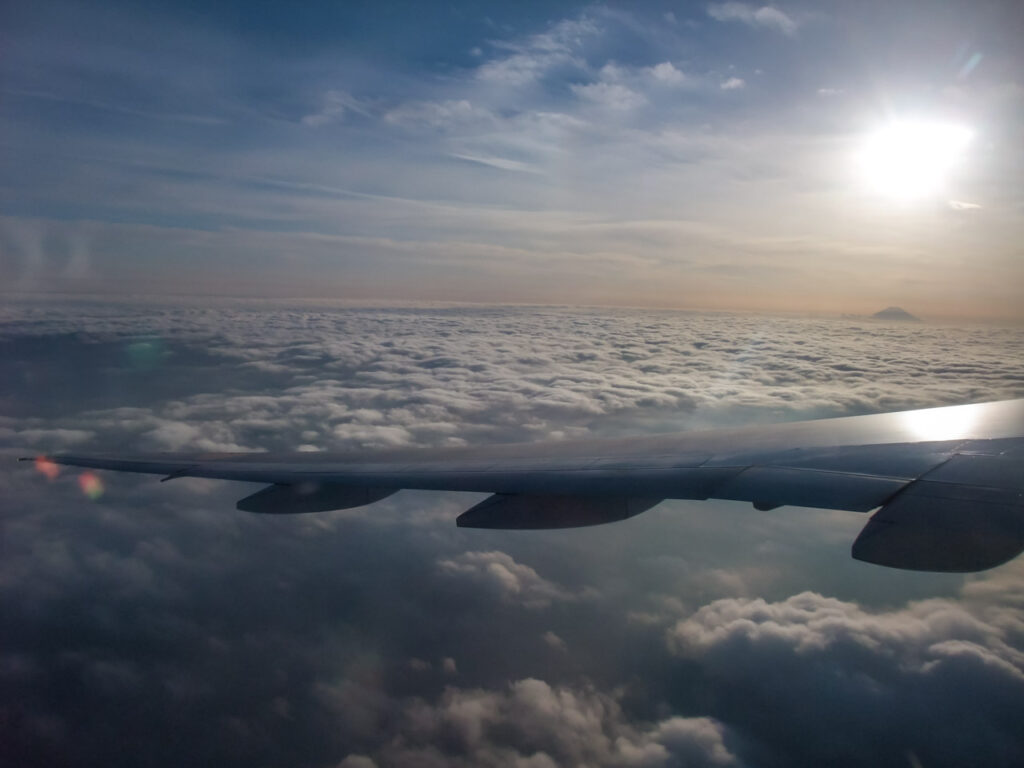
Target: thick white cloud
[
  {"x": 386, "y": 378},
  {"x": 512, "y": 581},
  {"x": 51, "y": 438},
  {"x": 666, "y": 73},
  {"x": 554, "y": 641},
  {"x": 904, "y": 672},
  {"x": 926, "y": 634},
  {"x": 534, "y": 724}
]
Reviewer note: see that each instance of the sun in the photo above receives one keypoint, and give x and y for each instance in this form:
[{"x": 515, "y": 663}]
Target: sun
[{"x": 912, "y": 159}]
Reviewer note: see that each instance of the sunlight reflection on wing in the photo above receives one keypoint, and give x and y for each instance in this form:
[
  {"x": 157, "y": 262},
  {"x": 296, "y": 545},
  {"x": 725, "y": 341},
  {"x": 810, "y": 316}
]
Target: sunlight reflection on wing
[{"x": 941, "y": 423}]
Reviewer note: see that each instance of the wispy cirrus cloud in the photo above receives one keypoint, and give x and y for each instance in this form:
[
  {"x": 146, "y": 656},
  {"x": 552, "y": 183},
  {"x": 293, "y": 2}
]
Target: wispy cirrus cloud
[
  {"x": 597, "y": 114},
  {"x": 441, "y": 115},
  {"x": 334, "y": 106},
  {"x": 530, "y": 60},
  {"x": 609, "y": 95}
]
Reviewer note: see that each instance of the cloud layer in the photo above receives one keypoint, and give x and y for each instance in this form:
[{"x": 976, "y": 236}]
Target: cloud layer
[
  {"x": 153, "y": 622},
  {"x": 319, "y": 378},
  {"x": 900, "y": 675},
  {"x": 533, "y": 725}
]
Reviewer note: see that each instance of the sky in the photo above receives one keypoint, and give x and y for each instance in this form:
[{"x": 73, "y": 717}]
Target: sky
[
  {"x": 243, "y": 226},
  {"x": 819, "y": 157},
  {"x": 149, "y": 623}
]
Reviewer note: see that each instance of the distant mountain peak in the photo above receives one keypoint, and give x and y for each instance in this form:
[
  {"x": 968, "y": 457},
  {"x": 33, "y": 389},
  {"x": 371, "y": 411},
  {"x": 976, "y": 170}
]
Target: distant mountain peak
[{"x": 895, "y": 313}]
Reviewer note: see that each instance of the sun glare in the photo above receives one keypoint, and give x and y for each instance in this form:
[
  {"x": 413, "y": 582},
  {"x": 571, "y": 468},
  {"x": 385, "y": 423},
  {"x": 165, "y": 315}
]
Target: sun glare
[
  {"x": 951, "y": 423},
  {"x": 909, "y": 160}
]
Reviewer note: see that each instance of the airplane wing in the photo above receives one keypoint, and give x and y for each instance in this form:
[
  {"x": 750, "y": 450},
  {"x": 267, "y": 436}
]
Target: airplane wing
[{"x": 948, "y": 483}]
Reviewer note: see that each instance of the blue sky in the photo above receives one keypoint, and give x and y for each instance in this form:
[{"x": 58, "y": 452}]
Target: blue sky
[{"x": 657, "y": 154}]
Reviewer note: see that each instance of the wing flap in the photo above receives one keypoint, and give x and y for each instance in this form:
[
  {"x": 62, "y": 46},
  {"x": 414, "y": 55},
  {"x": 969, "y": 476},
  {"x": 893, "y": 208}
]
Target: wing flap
[
  {"x": 310, "y": 497},
  {"x": 522, "y": 512}
]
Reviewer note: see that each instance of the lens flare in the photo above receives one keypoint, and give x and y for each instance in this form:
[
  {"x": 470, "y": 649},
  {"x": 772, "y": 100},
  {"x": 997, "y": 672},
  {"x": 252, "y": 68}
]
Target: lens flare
[
  {"x": 91, "y": 485},
  {"x": 145, "y": 354},
  {"x": 46, "y": 467}
]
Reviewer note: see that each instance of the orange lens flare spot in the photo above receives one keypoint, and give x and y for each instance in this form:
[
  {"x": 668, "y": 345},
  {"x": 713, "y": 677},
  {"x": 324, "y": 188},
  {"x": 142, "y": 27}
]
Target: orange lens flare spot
[
  {"x": 46, "y": 467},
  {"x": 91, "y": 485}
]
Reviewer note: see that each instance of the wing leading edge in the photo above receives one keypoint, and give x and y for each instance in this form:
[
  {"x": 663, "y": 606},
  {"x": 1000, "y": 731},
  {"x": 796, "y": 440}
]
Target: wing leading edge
[{"x": 949, "y": 482}]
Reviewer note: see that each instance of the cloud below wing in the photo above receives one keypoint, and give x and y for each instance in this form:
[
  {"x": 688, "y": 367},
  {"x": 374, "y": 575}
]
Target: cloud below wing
[
  {"x": 388, "y": 632},
  {"x": 823, "y": 661}
]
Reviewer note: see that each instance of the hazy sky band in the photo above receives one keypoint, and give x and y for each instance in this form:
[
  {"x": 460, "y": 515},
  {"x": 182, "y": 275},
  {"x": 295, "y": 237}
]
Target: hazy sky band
[{"x": 652, "y": 154}]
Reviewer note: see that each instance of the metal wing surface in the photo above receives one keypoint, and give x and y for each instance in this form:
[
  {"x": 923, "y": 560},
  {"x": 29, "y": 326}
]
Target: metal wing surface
[{"x": 949, "y": 482}]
